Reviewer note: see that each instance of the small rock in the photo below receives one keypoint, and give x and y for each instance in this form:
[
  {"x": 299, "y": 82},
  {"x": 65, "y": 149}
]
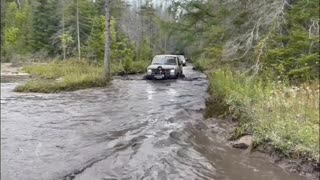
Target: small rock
[{"x": 243, "y": 143}]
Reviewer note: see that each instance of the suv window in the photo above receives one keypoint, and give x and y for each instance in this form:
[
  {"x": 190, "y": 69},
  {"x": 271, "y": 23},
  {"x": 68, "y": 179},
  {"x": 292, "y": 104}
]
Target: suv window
[
  {"x": 164, "y": 60},
  {"x": 172, "y": 61}
]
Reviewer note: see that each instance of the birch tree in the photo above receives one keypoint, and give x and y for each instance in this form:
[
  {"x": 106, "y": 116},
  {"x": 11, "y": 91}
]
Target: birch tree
[{"x": 107, "y": 53}]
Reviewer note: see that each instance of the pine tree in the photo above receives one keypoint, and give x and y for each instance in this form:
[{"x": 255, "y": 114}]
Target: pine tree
[{"x": 45, "y": 25}]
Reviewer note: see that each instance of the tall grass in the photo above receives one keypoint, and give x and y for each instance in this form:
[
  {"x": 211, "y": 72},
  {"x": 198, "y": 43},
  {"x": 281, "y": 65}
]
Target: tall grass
[
  {"x": 63, "y": 76},
  {"x": 287, "y": 117},
  {"x": 57, "y": 69},
  {"x": 72, "y": 75}
]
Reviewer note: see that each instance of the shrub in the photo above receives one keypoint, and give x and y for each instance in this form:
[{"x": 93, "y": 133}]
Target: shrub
[{"x": 202, "y": 64}]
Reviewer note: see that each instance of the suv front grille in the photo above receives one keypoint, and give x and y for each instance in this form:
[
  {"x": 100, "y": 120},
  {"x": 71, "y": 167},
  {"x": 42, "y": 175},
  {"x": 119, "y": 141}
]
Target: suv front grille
[{"x": 161, "y": 71}]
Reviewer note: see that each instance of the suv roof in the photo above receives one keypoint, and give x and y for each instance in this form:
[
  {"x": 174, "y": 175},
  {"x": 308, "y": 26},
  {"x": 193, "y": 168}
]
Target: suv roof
[{"x": 167, "y": 55}]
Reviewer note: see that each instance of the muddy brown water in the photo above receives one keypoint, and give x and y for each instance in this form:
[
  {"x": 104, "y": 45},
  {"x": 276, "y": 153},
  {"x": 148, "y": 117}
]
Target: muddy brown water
[{"x": 134, "y": 129}]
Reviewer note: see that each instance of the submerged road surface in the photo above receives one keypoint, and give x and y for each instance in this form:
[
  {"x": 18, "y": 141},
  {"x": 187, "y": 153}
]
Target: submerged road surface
[{"x": 133, "y": 129}]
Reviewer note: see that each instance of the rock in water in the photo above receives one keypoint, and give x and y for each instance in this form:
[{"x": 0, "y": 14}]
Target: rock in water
[{"x": 244, "y": 142}]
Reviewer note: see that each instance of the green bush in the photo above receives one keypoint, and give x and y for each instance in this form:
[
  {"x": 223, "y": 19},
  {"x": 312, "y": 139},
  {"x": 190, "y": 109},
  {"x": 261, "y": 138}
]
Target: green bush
[
  {"x": 127, "y": 64},
  {"x": 139, "y": 67},
  {"x": 129, "y": 67},
  {"x": 203, "y": 64},
  {"x": 117, "y": 69}
]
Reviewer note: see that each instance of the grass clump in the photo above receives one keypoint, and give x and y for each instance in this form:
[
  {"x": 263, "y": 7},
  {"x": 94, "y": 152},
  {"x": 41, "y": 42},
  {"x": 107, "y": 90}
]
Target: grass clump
[
  {"x": 57, "y": 69},
  {"x": 63, "y": 76},
  {"x": 73, "y": 75},
  {"x": 287, "y": 117}
]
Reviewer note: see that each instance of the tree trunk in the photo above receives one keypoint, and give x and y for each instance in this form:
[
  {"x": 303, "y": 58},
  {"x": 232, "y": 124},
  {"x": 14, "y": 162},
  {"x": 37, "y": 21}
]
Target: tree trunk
[
  {"x": 63, "y": 33},
  {"x": 78, "y": 31},
  {"x": 3, "y": 8},
  {"x": 107, "y": 51},
  {"x": 165, "y": 42},
  {"x": 18, "y": 4}
]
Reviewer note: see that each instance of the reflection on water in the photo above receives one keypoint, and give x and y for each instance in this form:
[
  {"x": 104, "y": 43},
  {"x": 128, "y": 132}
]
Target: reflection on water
[{"x": 150, "y": 91}]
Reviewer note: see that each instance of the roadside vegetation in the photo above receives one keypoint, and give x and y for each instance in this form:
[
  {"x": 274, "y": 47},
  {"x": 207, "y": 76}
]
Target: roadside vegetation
[
  {"x": 62, "y": 76},
  {"x": 287, "y": 117},
  {"x": 72, "y": 75},
  {"x": 262, "y": 61},
  {"x": 69, "y": 37}
]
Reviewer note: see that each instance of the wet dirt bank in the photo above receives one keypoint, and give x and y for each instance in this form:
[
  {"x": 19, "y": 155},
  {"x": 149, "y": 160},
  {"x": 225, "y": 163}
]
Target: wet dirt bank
[{"x": 133, "y": 129}]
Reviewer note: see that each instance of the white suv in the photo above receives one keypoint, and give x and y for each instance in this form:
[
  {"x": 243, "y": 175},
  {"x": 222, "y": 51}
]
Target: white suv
[
  {"x": 165, "y": 67},
  {"x": 182, "y": 60}
]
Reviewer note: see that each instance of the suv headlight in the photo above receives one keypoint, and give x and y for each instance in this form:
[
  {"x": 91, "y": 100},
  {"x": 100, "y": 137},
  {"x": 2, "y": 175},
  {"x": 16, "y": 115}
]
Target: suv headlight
[
  {"x": 172, "y": 72},
  {"x": 149, "y": 71}
]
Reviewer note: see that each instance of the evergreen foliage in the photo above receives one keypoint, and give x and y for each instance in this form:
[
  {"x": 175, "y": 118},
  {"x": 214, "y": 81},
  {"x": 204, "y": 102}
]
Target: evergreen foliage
[
  {"x": 45, "y": 24},
  {"x": 47, "y": 29},
  {"x": 276, "y": 38}
]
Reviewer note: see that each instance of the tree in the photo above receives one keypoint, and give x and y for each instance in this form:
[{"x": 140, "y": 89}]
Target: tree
[
  {"x": 63, "y": 38},
  {"x": 107, "y": 53},
  {"x": 3, "y": 8},
  {"x": 276, "y": 37},
  {"x": 78, "y": 31},
  {"x": 45, "y": 24},
  {"x": 16, "y": 29}
]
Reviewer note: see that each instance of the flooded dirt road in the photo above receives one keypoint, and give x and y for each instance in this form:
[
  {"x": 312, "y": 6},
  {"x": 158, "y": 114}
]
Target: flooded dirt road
[{"x": 134, "y": 129}]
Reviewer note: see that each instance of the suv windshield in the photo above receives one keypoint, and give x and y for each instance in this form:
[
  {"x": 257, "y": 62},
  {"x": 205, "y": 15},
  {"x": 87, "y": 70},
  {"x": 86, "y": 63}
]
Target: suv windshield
[{"x": 164, "y": 60}]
